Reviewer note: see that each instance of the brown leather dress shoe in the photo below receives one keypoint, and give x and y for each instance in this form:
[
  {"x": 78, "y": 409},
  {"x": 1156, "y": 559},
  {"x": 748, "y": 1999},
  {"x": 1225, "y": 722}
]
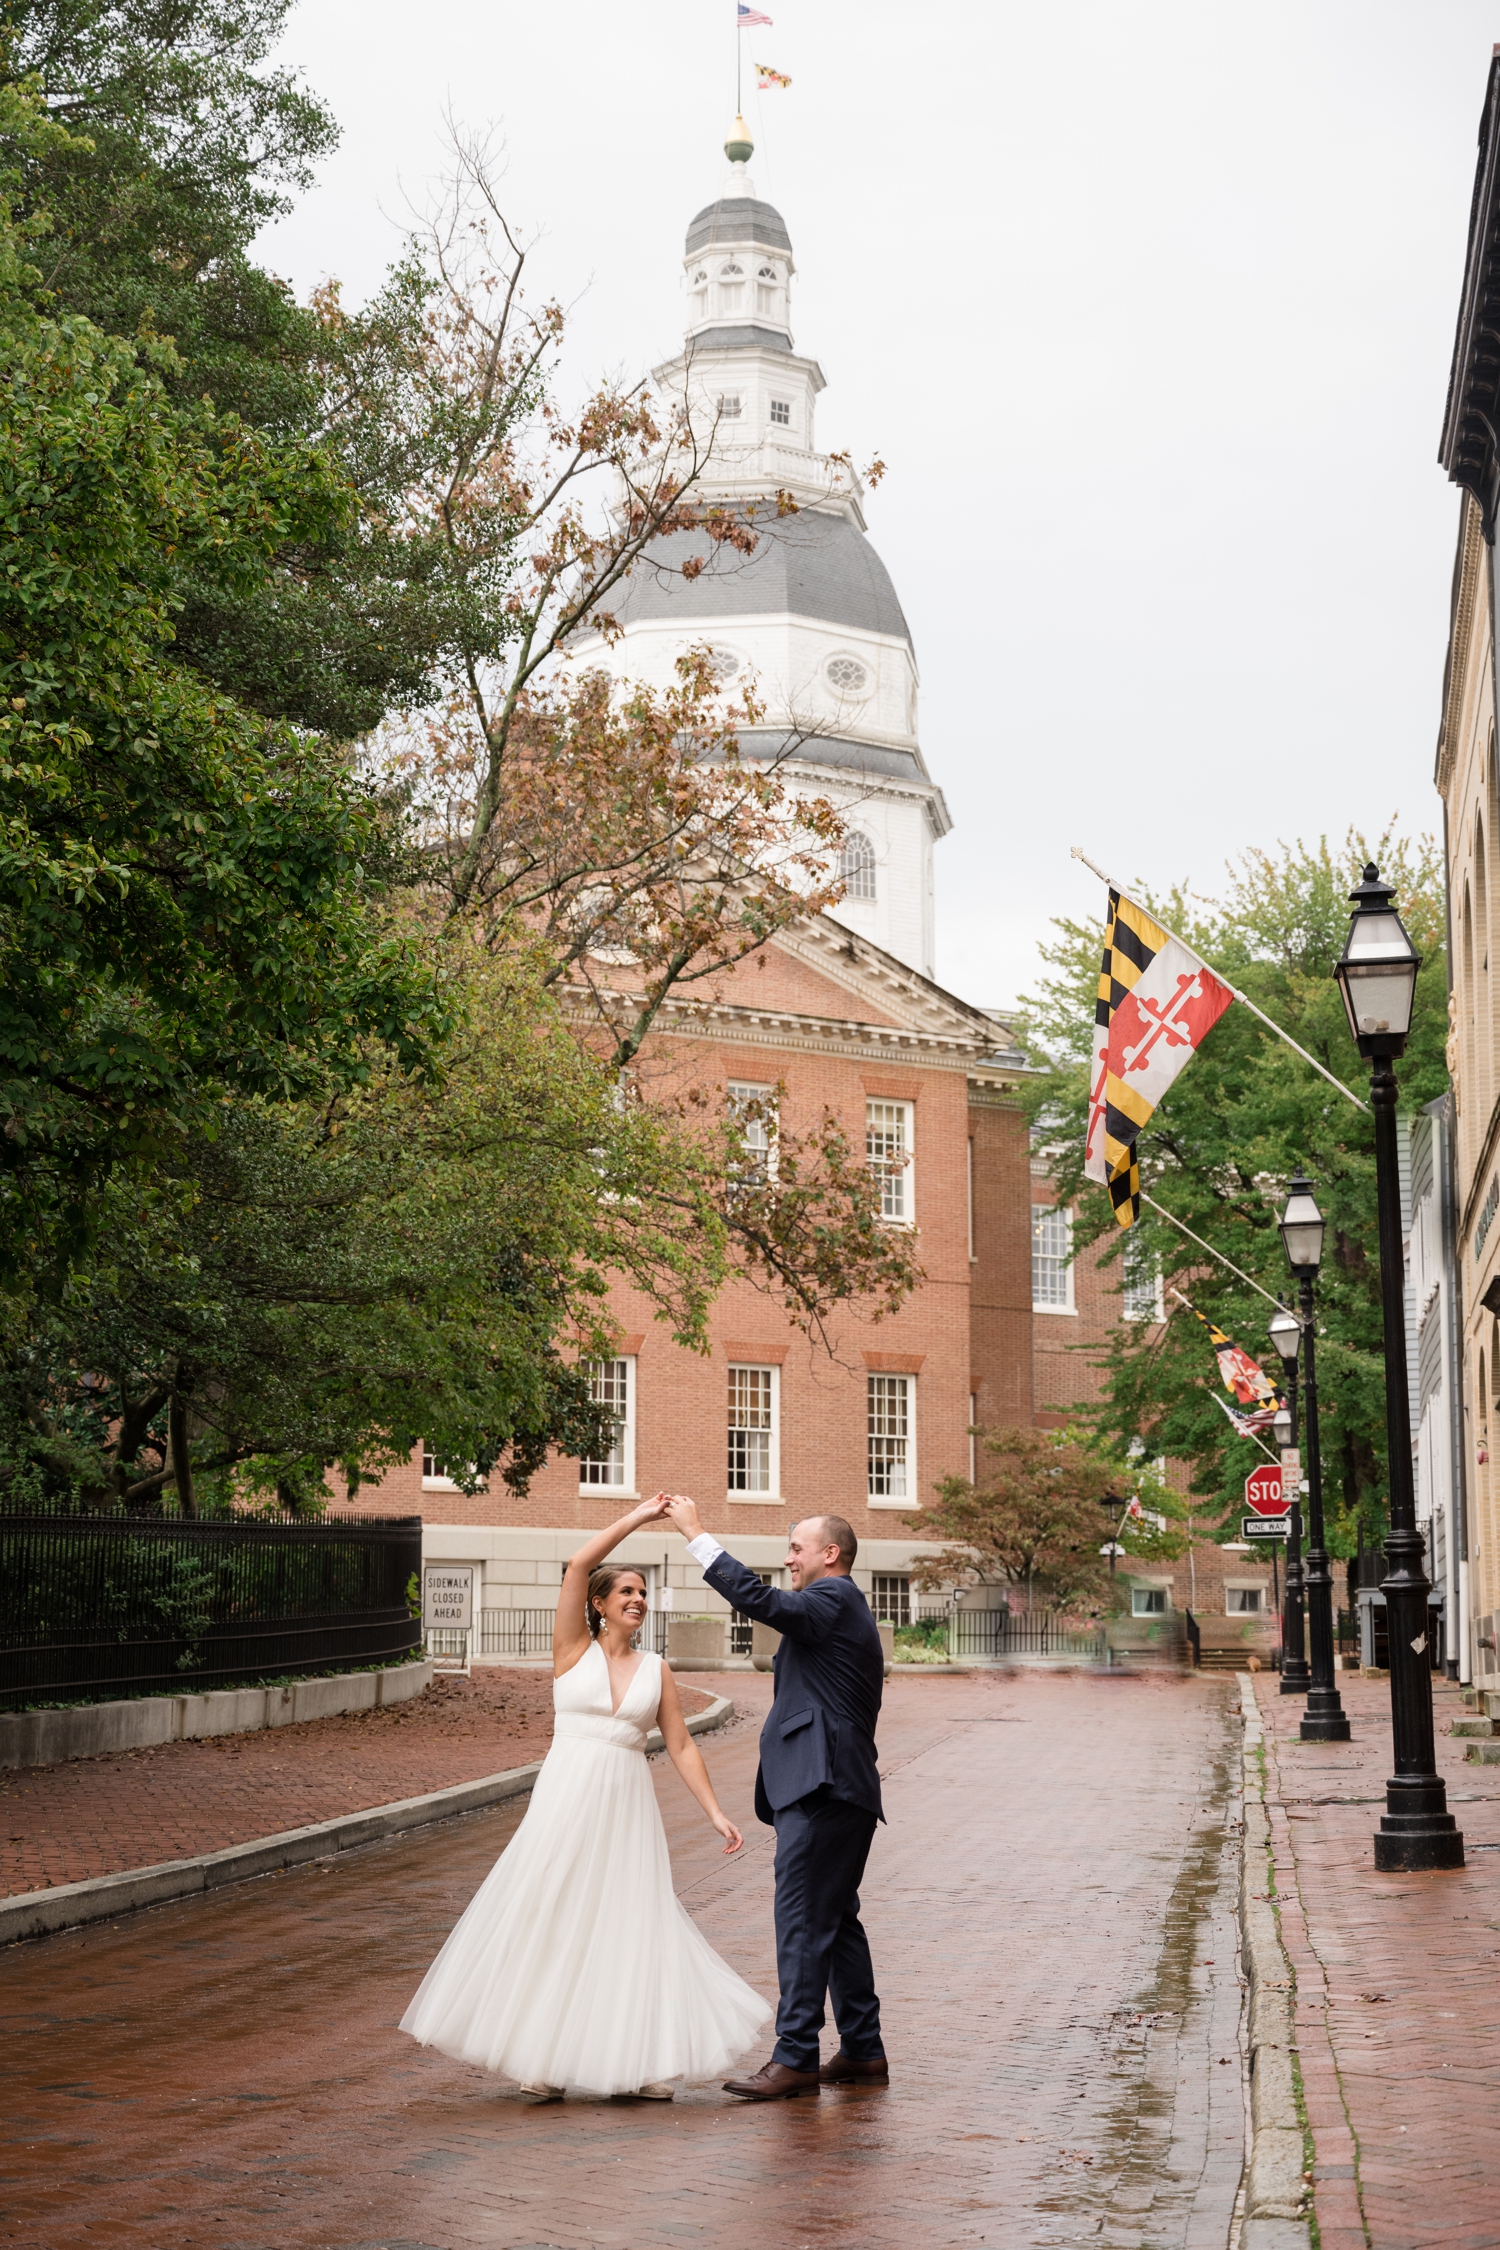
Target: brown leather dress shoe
[
  {"x": 856, "y": 2070},
  {"x": 777, "y": 2082}
]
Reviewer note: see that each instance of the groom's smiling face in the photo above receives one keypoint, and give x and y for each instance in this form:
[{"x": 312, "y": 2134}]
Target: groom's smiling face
[{"x": 809, "y": 1554}]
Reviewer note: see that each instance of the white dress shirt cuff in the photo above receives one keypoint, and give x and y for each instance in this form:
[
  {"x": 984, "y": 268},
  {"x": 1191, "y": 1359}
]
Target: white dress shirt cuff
[{"x": 705, "y": 1549}]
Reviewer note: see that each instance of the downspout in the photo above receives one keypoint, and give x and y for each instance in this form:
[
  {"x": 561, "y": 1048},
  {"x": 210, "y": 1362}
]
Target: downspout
[{"x": 1461, "y": 1642}]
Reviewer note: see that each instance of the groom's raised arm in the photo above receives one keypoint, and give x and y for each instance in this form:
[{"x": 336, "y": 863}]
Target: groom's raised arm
[{"x": 802, "y": 1617}]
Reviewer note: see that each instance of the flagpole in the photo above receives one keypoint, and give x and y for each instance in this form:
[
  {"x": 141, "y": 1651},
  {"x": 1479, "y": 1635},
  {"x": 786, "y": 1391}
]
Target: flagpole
[
  {"x": 739, "y": 98},
  {"x": 1213, "y": 1253},
  {"x": 1244, "y": 1000},
  {"x": 1250, "y": 1434}
]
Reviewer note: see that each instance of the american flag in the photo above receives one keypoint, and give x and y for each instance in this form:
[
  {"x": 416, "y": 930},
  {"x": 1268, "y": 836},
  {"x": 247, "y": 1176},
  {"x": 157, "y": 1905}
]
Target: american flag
[{"x": 749, "y": 17}]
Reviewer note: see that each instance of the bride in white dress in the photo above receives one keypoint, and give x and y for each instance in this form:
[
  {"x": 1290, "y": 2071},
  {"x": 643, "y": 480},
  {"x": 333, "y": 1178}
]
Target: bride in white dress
[{"x": 575, "y": 1964}]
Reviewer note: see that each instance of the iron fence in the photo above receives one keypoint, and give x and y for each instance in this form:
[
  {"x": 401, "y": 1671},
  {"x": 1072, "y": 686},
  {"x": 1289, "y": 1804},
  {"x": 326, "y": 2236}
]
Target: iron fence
[
  {"x": 102, "y": 1607},
  {"x": 514, "y": 1632},
  {"x": 1000, "y": 1633}
]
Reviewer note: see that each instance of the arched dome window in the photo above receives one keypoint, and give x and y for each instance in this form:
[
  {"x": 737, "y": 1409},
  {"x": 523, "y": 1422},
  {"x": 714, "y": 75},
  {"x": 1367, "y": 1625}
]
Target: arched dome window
[{"x": 857, "y": 865}]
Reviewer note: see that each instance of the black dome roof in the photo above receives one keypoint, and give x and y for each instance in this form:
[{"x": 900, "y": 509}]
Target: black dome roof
[
  {"x": 738, "y": 218},
  {"x": 810, "y": 565}
]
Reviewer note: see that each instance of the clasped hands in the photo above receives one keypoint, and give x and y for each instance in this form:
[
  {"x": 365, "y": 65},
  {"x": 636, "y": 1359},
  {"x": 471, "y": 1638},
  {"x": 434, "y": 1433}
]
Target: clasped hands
[{"x": 682, "y": 1512}]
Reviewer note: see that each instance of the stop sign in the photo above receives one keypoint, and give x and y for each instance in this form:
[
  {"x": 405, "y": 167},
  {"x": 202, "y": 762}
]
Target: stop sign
[{"x": 1263, "y": 1490}]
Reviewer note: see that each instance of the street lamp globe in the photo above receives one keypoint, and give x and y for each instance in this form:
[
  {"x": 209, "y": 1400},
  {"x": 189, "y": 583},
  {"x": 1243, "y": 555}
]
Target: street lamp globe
[
  {"x": 1301, "y": 1225},
  {"x": 1286, "y": 1334},
  {"x": 1377, "y": 970},
  {"x": 1282, "y": 1426}
]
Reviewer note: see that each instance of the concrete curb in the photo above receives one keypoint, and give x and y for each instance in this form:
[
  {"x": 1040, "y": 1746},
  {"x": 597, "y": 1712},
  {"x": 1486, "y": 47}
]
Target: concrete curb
[
  {"x": 68, "y": 1905},
  {"x": 94, "y": 1730},
  {"x": 1275, "y": 2190}
]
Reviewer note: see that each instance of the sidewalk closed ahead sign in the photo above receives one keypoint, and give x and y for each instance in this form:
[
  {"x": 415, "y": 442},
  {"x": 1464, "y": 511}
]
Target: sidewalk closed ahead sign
[{"x": 448, "y": 1598}]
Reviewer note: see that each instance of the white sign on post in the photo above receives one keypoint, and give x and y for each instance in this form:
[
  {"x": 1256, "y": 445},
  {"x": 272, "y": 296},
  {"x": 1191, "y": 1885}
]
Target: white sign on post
[
  {"x": 1291, "y": 1473},
  {"x": 448, "y": 1598}
]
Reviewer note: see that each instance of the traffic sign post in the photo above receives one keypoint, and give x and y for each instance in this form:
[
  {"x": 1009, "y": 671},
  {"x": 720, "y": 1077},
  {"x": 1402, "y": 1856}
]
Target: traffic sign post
[{"x": 1265, "y": 1491}]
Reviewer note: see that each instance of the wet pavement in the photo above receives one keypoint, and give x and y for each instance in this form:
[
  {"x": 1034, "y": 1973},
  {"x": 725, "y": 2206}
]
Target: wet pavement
[{"x": 1051, "y": 1912}]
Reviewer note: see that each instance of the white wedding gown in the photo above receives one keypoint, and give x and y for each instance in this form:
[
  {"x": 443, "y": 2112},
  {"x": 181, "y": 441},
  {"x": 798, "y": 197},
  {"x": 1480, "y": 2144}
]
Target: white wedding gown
[{"x": 575, "y": 1964}]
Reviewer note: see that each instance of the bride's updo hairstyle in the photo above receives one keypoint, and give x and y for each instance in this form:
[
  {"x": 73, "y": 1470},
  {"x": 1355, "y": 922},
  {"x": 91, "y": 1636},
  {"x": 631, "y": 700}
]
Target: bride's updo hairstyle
[{"x": 602, "y": 1583}]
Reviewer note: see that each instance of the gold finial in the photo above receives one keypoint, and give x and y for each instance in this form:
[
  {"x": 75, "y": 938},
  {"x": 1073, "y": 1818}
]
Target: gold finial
[{"x": 739, "y": 148}]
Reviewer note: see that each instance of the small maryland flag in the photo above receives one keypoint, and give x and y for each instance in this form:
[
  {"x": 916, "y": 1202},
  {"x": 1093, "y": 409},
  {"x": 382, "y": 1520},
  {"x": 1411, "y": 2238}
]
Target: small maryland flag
[
  {"x": 1244, "y": 1379},
  {"x": 1157, "y": 1003},
  {"x": 766, "y": 79}
]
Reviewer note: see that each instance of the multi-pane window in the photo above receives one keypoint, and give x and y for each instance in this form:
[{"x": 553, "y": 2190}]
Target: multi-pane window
[
  {"x": 890, "y": 1598},
  {"x": 857, "y": 866},
  {"x": 434, "y": 1467},
  {"x": 741, "y": 1626},
  {"x": 1142, "y": 1294},
  {"x": 755, "y": 1108},
  {"x": 1244, "y": 1601},
  {"x": 609, "y": 1387},
  {"x": 1051, "y": 1258},
  {"x": 888, "y": 1139},
  {"x": 752, "y": 1429},
  {"x": 730, "y": 408},
  {"x": 889, "y": 1418},
  {"x": 781, "y": 411}
]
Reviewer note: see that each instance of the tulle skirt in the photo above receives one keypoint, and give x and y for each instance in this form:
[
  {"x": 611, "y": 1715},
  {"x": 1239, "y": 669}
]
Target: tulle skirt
[{"x": 575, "y": 1964}]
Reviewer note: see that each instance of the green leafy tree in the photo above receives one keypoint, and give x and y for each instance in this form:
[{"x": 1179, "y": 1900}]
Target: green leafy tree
[
  {"x": 189, "y": 899},
  {"x": 1219, "y": 1151},
  {"x": 1035, "y": 1519}
]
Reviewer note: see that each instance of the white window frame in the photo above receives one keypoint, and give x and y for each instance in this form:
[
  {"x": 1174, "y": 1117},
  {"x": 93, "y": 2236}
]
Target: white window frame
[
  {"x": 898, "y": 1199},
  {"x": 737, "y": 1094},
  {"x": 1041, "y": 1214},
  {"x": 435, "y": 1477},
  {"x": 857, "y": 869},
  {"x": 1142, "y": 1297},
  {"x": 873, "y": 1391},
  {"x": 771, "y": 1494},
  {"x": 1259, "y": 1586},
  {"x": 624, "y": 1488},
  {"x": 782, "y": 419},
  {"x": 1150, "y": 1601}
]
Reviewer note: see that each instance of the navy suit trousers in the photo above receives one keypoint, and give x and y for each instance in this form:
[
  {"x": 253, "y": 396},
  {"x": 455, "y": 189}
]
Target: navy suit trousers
[{"x": 822, "y": 1844}]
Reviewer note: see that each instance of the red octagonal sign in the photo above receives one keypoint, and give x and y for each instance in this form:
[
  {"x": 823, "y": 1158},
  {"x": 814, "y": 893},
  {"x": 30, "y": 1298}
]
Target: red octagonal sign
[{"x": 1263, "y": 1490}]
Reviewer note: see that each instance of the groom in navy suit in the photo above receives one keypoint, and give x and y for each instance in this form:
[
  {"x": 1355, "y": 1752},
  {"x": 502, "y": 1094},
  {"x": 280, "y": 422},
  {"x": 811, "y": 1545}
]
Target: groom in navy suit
[{"x": 819, "y": 1787}]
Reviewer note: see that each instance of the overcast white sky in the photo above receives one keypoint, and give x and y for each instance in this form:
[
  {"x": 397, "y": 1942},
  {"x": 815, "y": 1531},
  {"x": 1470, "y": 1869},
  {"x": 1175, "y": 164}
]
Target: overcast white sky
[{"x": 1149, "y": 309}]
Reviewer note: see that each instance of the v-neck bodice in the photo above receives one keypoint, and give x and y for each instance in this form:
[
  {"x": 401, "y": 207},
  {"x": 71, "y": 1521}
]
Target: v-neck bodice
[{"x": 582, "y": 1701}]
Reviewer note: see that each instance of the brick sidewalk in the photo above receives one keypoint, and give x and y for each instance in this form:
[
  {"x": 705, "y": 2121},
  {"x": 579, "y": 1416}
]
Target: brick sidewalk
[
  {"x": 1051, "y": 1915},
  {"x": 1398, "y": 1984},
  {"x": 98, "y": 1816}
]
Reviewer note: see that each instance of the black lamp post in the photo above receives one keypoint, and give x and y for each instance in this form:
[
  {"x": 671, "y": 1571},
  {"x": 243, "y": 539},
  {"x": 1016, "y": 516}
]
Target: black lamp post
[
  {"x": 1377, "y": 975},
  {"x": 1286, "y": 1335},
  {"x": 1114, "y": 1508},
  {"x": 1301, "y": 1225}
]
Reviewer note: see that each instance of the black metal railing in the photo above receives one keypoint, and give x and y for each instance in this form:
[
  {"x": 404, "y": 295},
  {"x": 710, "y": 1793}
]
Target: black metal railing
[
  {"x": 999, "y": 1633},
  {"x": 96, "y": 1608},
  {"x": 511, "y": 1632},
  {"x": 1195, "y": 1637}
]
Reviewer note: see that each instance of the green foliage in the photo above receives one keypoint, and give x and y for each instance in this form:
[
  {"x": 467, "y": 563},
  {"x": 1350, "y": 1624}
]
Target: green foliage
[
  {"x": 1220, "y": 1148},
  {"x": 1036, "y": 1518},
  {"x": 179, "y": 144},
  {"x": 188, "y": 898}
]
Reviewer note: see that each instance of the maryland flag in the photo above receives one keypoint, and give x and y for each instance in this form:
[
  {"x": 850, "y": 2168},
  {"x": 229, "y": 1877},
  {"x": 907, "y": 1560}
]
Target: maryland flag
[
  {"x": 1157, "y": 1003},
  {"x": 767, "y": 80},
  {"x": 1243, "y": 1379}
]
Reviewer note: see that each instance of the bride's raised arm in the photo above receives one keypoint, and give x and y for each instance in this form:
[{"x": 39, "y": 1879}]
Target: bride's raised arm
[{"x": 570, "y": 1633}]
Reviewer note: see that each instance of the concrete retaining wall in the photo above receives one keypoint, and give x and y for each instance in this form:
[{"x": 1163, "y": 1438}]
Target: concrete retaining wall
[{"x": 49, "y": 1738}]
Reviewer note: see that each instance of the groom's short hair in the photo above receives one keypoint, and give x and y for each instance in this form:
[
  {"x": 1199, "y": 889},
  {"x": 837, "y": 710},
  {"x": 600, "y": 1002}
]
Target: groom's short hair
[{"x": 838, "y": 1533}]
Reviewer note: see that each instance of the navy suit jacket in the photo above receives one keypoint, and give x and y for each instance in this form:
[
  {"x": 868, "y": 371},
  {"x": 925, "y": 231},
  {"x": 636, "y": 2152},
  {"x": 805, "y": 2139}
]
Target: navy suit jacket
[{"x": 829, "y": 1673}]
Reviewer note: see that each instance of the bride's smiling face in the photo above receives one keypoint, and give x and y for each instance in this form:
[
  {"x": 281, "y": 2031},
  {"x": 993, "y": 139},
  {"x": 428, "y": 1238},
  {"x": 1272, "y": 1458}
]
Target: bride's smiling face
[{"x": 625, "y": 1603}]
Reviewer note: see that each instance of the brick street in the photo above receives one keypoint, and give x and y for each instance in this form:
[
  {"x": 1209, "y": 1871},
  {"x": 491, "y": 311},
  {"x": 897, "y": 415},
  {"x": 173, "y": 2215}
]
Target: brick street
[
  {"x": 97, "y": 1816},
  {"x": 1398, "y": 1999},
  {"x": 1051, "y": 1910}
]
